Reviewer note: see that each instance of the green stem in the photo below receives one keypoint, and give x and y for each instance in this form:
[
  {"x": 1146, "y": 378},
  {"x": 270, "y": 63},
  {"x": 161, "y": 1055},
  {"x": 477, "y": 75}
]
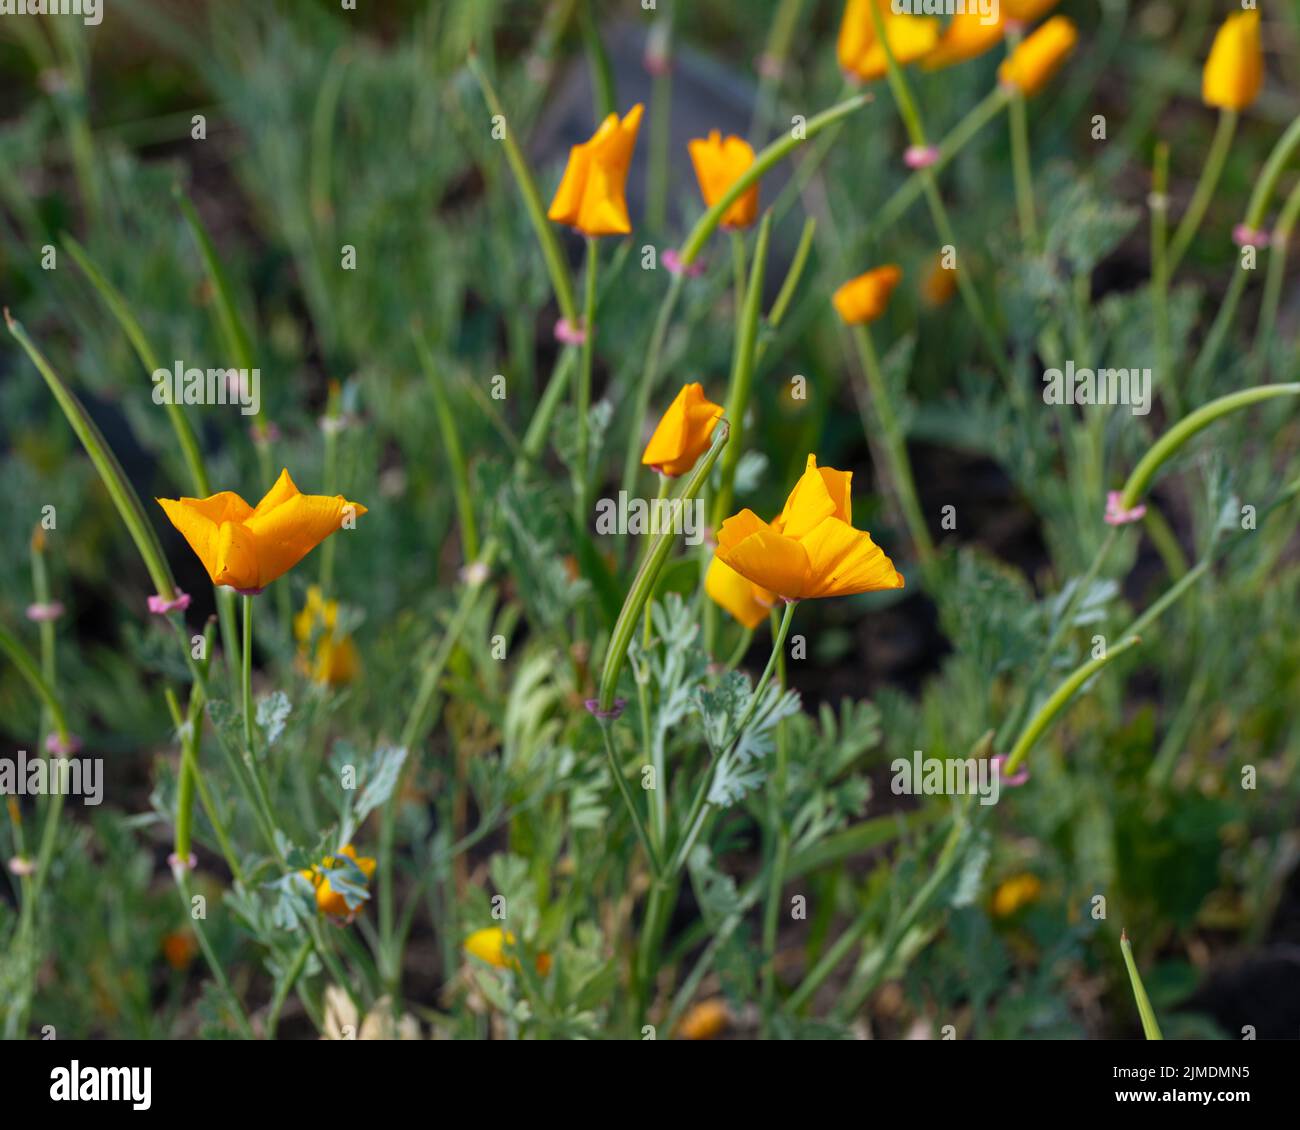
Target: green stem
[
  {"x": 742, "y": 371},
  {"x": 1024, "y": 176},
  {"x": 1056, "y": 703},
  {"x": 210, "y": 955},
  {"x": 649, "y": 378},
  {"x": 700, "y": 806},
  {"x": 900, "y": 466},
  {"x": 582, "y": 472},
  {"x": 1150, "y": 1027},
  {"x": 545, "y": 233},
  {"x": 648, "y": 574},
  {"x": 625, "y": 791},
  {"x": 1204, "y": 192}
]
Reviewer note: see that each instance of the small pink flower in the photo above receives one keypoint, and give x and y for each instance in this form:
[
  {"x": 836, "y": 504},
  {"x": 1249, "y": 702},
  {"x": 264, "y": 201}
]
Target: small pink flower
[
  {"x": 593, "y": 708},
  {"x": 657, "y": 62},
  {"x": 56, "y": 745},
  {"x": 264, "y": 433},
  {"x": 160, "y": 606},
  {"x": 22, "y": 866},
  {"x": 1116, "y": 515},
  {"x": 251, "y": 592},
  {"x": 1243, "y": 235},
  {"x": 569, "y": 334},
  {"x": 1016, "y": 779},
  {"x": 177, "y": 864},
  {"x": 673, "y": 264},
  {"x": 921, "y": 156},
  {"x": 41, "y": 613},
  {"x": 769, "y": 66}
]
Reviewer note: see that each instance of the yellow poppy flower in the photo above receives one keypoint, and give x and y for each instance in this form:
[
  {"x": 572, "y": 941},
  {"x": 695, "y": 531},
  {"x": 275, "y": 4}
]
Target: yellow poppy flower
[
  {"x": 737, "y": 595},
  {"x": 1031, "y": 65},
  {"x": 248, "y": 547},
  {"x": 705, "y": 1020},
  {"x": 590, "y": 197},
  {"x": 1234, "y": 71},
  {"x": 940, "y": 283},
  {"x": 811, "y": 550},
  {"x": 328, "y": 900},
  {"x": 490, "y": 945},
  {"x": 333, "y": 660},
  {"x": 719, "y": 162},
  {"x": 967, "y": 36},
  {"x": 682, "y": 435},
  {"x": 1013, "y": 893},
  {"x": 866, "y": 298},
  {"x": 859, "y": 52},
  {"x": 1026, "y": 11}
]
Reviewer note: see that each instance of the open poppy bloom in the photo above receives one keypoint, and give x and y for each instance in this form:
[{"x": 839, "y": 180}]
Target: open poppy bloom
[
  {"x": 248, "y": 547},
  {"x": 590, "y": 197},
  {"x": 1031, "y": 66},
  {"x": 736, "y": 594},
  {"x": 1234, "y": 71},
  {"x": 490, "y": 945},
  {"x": 719, "y": 162},
  {"x": 861, "y": 54},
  {"x": 331, "y": 901},
  {"x": 866, "y": 298},
  {"x": 811, "y": 550},
  {"x": 683, "y": 433},
  {"x": 967, "y": 36}
]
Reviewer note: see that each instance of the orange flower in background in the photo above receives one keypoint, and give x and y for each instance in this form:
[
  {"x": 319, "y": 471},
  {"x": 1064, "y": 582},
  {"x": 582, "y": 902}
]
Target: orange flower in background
[
  {"x": 683, "y": 433},
  {"x": 490, "y": 945},
  {"x": 325, "y": 655},
  {"x": 719, "y": 162},
  {"x": 866, "y": 298},
  {"x": 1026, "y": 11},
  {"x": 248, "y": 547},
  {"x": 705, "y": 1020},
  {"x": 861, "y": 54},
  {"x": 940, "y": 283},
  {"x": 811, "y": 550},
  {"x": 1234, "y": 71},
  {"x": 967, "y": 36},
  {"x": 590, "y": 197},
  {"x": 1014, "y": 893},
  {"x": 328, "y": 900},
  {"x": 737, "y": 595},
  {"x": 179, "y": 948},
  {"x": 1031, "y": 65}
]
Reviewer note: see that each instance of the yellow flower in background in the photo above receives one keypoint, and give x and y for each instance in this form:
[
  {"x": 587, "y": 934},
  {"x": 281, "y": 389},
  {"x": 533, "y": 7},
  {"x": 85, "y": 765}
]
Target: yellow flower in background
[
  {"x": 705, "y": 1020},
  {"x": 940, "y": 283},
  {"x": 811, "y": 550},
  {"x": 967, "y": 36},
  {"x": 332, "y": 658},
  {"x": 734, "y": 593},
  {"x": 683, "y": 433},
  {"x": 719, "y": 162},
  {"x": 866, "y": 298},
  {"x": 1234, "y": 71},
  {"x": 248, "y": 547},
  {"x": 1014, "y": 893},
  {"x": 590, "y": 197},
  {"x": 1032, "y": 65},
  {"x": 490, "y": 945},
  {"x": 328, "y": 900},
  {"x": 861, "y": 54},
  {"x": 1026, "y": 11}
]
